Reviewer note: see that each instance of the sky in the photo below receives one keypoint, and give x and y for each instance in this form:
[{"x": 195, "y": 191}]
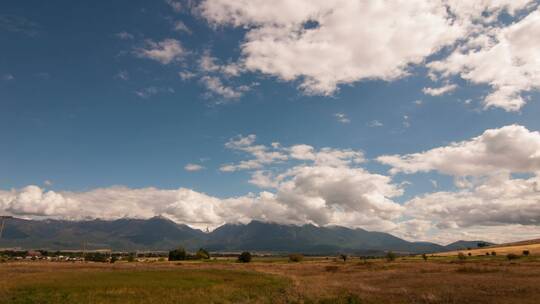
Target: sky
[{"x": 418, "y": 118}]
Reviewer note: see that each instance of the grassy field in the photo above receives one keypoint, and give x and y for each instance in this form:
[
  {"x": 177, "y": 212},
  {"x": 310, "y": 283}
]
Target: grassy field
[
  {"x": 407, "y": 280},
  {"x": 533, "y": 248}
]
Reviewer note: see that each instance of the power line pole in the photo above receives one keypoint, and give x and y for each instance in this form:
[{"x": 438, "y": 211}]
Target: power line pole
[{"x": 3, "y": 219}]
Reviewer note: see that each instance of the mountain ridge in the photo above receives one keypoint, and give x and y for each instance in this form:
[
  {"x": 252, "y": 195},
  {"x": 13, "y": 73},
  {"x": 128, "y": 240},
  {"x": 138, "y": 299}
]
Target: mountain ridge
[{"x": 160, "y": 233}]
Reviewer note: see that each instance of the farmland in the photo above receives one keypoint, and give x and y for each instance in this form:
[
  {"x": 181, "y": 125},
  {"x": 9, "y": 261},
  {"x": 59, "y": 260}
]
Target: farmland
[{"x": 478, "y": 279}]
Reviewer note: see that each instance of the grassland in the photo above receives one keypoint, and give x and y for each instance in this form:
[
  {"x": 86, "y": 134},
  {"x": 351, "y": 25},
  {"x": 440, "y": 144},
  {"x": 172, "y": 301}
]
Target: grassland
[
  {"x": 406, "y": 280},
  {"x": 515, "y": 248}
]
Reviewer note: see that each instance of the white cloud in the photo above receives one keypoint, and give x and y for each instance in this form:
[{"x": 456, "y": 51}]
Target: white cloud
[
  {"x": 267, "y": 155},
  {"x": 193, "y": 167},
  {"x": 262, "y": 154},
  {"x": 216, "y": 87},
  {"x": 148, "y": 92},
  {"x": 175, "y": 5},
  {"x": 499, "y": 201},
  {"x": 165, "y": 52},
  {"x": 122, "y": 75},
  {"x": 186, "y": 75},
  {"x": 505, "y": 58},
  {"x": 509, "y": 149},
  {"x": 440, "y": 90},
  {"x": 180, "y": 26},
  {"x": 375, "y": 124},
  {"x": 341, "y": 117},
  {"x": 324, "y": 44},
  {"x": 350, "y": 41},
  {"x": 124, "y": 36},
  {"x": 320, "y": 195}
]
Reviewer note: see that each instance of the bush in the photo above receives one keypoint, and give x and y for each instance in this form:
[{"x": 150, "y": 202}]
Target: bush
[
  {"x": 526, "y": 252},
  {"x": 512, "y": 256},
  {"x": 114, "y": 259},
  {"x": 178, "y": 254},
  {"x": 424, "y": 256},
  {"x": 390, "y": 256},
  {"x": 131, "y": 257},
  {"x": 96, "y": 257},
  {"x": 202, "y": 254},
  {"x": 244, "y": 257},
  {"x": 493, "y": 253},
  {"x": 344, "y": 257},
  {"x": 296, "y": 257},
  {"x": 461, "y": 256}
]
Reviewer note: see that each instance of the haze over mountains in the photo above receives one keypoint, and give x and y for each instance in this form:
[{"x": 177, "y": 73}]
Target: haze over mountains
[{"x": 162, "y": 234}]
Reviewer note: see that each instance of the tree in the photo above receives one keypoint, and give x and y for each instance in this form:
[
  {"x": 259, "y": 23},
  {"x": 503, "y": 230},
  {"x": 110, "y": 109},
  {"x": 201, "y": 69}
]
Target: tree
[
  {"x": 424, "y": 256},
  {"x": 244, "y": 257},
  {"x": 343, "y": 257},
  {"x": 526, "y": 252},
  {"x": 296, "y": 257},
  {"x": 512, "y": 256},
  {"x": 390, "y": 256},
  {"x": 178, "y": 254},
  {"x": 482, "y": 244},
  {"x": 202, "y": 254},
  {"x": 493, "y": 253}
]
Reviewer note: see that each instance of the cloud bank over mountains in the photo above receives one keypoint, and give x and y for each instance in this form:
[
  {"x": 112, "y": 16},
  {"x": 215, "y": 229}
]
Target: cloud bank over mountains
[{"x": 302, "y": 184}]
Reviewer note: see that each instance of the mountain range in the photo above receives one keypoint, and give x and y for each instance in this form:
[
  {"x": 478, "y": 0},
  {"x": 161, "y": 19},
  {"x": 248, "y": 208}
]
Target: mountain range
[{"x": 162, "y": 234}]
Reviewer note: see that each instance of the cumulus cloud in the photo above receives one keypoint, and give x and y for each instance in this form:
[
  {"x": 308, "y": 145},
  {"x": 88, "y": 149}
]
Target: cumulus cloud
[
  {"x": 262, "y": 155},
  {"x": 328, "y": 186},
  {"x": 500, "y": 200},
  {"x": 505, "y": 58},
  {"x": 323, "y": 44},
  {"x": 440, "y": 90},
  {"x": 320, "y": 195},
  {"x": 217, "y": 88},
  {"x": 266, "y": 155},
  {"x": 327, "y": 43},
  {"x": 165, "y": 52},
  {"x": 511, "y": 148}
]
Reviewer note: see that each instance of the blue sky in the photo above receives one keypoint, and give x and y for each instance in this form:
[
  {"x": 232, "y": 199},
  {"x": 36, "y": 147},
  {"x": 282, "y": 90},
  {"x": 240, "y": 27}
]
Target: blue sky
[{"x": 90, "y": 99}]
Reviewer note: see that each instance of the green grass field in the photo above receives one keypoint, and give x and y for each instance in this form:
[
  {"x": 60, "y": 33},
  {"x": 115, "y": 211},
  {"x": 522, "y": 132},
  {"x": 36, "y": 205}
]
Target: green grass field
[{"x": 154, "y": 286}]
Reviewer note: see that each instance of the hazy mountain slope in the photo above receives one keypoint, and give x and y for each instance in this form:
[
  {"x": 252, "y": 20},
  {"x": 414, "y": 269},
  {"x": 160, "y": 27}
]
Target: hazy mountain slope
[{"x": 163, "y": 234}]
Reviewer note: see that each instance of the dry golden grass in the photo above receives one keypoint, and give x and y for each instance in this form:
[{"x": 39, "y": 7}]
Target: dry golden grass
[
  {"x": 439, "y": 280},
  {"x": 515, "y": 248}
]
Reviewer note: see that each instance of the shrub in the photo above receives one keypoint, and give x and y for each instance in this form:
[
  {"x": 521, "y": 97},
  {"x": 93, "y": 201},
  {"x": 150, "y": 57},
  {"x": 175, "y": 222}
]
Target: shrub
[
  {"x": 461, "y": 256},
  {"x": 493, "y": 253},
  {"x": 390, "y": 256},
  {"x": 178, "y": 254},
  {"x": 296, "y": 257},
  {"x": 424, "y": 256},
  {"x": 131, "y": 257},
  {"x": 526, "y": 252},
  {"x": 244, "y": 257},
  {"x": 202, "y": 254},
  {"x": 512, "y": 256},
  {"x": 96, "y": 257}
]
